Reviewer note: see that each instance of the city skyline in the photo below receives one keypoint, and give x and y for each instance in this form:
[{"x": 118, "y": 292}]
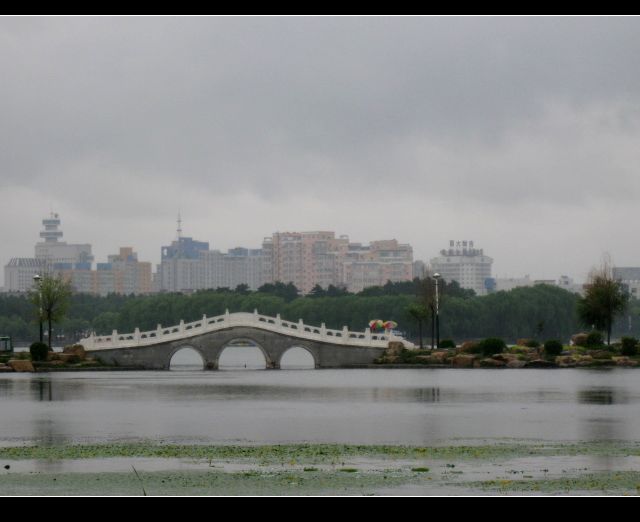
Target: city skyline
[
  {"x": 519, "y": 132},
  {"x": 178, "y": 224}
]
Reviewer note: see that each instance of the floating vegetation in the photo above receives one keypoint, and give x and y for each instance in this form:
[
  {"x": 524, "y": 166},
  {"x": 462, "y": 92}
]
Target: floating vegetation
[
  {"x": 604, "y": 482},
  {"x": 318, "y": 453}
]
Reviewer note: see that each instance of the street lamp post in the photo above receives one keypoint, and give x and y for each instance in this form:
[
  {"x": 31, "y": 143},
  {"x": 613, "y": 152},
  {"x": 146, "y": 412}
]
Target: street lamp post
[
  {"x": 37, "y": 280},
  {"x": 437, "y": 276}
]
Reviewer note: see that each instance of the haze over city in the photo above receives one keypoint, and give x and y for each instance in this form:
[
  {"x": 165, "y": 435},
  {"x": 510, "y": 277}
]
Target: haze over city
[{"x": 518, "y": 133}]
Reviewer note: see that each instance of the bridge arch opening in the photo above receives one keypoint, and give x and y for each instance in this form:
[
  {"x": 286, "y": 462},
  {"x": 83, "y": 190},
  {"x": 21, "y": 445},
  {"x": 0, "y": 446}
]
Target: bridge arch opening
[
  {"x": 186, "y": 359},
  {"x": 297, "y": 358},
  {"x": 242, "y": 354}
]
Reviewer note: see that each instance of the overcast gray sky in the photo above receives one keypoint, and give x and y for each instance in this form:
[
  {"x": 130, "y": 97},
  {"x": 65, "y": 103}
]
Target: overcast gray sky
[{"x": 522, "y": 134}]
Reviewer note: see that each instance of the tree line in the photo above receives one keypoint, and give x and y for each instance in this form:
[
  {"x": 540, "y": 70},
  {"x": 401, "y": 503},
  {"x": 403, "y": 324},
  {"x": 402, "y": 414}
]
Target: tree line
[{"x": 542, "y": 312}]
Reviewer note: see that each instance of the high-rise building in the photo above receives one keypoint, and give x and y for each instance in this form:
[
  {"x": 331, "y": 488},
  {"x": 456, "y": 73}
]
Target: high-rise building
[
  {"x": 239, "y": 266},
  {"x": 51, "y": 255},
  {"x": 121, "y": 274},
  {"x": 314, "y": 258},
  {"x": 180, "y": 268},
  {"x": 374, "y": 265},
  {"x": 629, "y": 276},
  {"x": 19, "y": 273},
  {"x": 464, "y": 263},
  {"x": 420, "y": 269},
  {"x": 59, "y": 254},
  {"x": 134, "y": 275},
  {"x": 304, "y": 258}
]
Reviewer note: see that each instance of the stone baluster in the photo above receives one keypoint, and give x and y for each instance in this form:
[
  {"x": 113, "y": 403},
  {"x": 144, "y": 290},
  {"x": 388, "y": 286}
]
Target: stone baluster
[
  {"x": 114, "y": 338},
  {"x": 181, "y": 327},
  {"x": 136, "y": 336},
  {"x": 323, "y": 330}
]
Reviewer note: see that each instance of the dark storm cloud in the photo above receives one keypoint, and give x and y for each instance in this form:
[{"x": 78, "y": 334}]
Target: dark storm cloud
[{"x": 492, "y": 112}]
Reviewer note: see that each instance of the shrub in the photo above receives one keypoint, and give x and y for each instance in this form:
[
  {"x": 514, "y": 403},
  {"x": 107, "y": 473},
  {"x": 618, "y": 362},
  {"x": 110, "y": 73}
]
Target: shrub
[
  {"x": 594, "y": 339},
  {"x": 469, "y": 347},
  {"x": 553, "y": 348},
  {"x": 447, "y": 343},
  {"x": 39, "y": 351},
  {"x": 528, "y": 343},
  {"x": 629, "y": 346},
  {"x": 491, "y": 346},
  {"x": 579, "y": 339}
]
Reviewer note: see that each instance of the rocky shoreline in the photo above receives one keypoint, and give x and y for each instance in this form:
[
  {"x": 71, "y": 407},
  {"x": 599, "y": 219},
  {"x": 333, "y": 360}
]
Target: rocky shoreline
[{"x": 516, "y": 357}]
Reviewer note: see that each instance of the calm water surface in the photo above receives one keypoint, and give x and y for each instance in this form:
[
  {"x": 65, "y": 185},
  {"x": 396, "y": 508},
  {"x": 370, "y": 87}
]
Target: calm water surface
[{"x": 420, "y": 406}]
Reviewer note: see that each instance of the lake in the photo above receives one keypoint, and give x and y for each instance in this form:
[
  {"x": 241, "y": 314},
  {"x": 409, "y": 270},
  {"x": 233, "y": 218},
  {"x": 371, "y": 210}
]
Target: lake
[{"x": 380, "y": 406}]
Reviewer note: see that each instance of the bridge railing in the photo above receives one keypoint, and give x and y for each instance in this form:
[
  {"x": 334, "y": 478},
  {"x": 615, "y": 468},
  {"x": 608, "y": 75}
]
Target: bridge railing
[{"x": 227, "y": 320}]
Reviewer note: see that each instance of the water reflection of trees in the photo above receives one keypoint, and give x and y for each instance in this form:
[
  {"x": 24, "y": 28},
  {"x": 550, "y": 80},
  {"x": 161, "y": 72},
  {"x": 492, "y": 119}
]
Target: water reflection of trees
[{"x": 601, "y": 395}]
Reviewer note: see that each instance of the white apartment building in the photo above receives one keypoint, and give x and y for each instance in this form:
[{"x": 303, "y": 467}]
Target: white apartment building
[
  {"x": 19, "y": 273},
  {"x": 239, "y": 266},
  {"x": 464, "y": 263}
]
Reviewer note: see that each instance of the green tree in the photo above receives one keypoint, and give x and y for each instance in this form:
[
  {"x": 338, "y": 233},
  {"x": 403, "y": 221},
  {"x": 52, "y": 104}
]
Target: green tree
[
  {"x": 604, "y": 299},
  {"x": 317, "y": 291},
  {"x": 287, "y": 291},
  {"x": 51, "y": 300},
  {"x": 419, "y": 313}
]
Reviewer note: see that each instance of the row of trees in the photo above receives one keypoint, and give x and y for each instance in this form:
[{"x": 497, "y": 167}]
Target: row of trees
[{"x": 537, "y": 312}]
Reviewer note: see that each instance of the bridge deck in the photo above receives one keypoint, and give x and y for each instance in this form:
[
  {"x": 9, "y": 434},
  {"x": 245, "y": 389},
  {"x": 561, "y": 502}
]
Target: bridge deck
[{"x": 161, "y": 334}]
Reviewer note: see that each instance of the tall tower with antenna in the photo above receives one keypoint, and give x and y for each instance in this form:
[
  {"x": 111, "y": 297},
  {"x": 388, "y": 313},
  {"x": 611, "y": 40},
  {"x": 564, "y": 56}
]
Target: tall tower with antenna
[
  {"x": 178, "y": 270},
  {"x": 179, "y": 230}
]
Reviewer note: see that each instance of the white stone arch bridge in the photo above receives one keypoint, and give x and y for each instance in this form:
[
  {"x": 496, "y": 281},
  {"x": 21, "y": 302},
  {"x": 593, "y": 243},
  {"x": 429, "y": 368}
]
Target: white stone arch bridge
[{"x": 209, "y": 336}]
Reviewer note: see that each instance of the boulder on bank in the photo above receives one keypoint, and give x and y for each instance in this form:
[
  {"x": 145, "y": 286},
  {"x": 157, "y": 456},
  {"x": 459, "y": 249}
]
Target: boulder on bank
[
  {"x": 540, "y": 363},
  {"x": 436, "y": 358},
  {"x": 505, "y": 357},
  {"x": 600, "y": 354},
  {"x": 468, "y": 347},
  {"x": 566, "y": 361},
  {"x": 492, "y": 363},
  {"x": 80, "y": 353},
  {"x": 597, "y": 363},
  {"x": 439, "y": 357},
  {"x": 463, "y": 361},
  {"x": 625, "y": 361},
  {"x": 18, "y": 365},
  {"x": 5, "y": 369},
  {"x": 516, "y": 364}
]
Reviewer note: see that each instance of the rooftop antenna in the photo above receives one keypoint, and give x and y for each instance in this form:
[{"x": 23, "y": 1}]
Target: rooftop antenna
[{"x": 179, "y": 225}]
